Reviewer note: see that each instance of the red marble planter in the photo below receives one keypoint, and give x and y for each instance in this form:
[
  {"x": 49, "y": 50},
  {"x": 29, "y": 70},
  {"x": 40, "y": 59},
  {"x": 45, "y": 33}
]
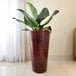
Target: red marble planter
[{"x": 39, "y": 50}]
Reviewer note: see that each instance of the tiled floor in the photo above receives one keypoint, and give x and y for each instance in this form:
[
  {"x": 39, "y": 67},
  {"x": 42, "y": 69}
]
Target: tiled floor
[{"x": 55, "y": 68}]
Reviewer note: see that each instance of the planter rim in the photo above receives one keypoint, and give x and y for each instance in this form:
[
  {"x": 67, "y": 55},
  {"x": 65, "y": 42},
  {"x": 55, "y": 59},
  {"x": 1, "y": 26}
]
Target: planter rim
[{"x": 40, "y": 31}]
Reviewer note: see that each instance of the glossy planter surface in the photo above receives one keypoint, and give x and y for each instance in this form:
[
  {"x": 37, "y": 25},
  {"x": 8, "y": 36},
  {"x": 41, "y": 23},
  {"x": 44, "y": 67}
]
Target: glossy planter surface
[{"x": 39, "y": 50}]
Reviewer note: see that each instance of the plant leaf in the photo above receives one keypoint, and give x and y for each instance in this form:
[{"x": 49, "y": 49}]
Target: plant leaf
[
  {"x": 54, "y": 13},
  {"x": 43, "y": 14},
  {"x": 25, "y": 29},
  {"x": 33, "y": 10},
  {"x": 18, "y": 20},
  {"x": 30, "y": 19},
  {"x": 27, "y": 22},
  {"x": 48, "y": 28}
]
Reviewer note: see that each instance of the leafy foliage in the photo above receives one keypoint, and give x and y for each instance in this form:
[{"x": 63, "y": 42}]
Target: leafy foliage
[
  {"x": 35, "y": 22},
  {"x": 43, "y": 14},
  {"x": 33, "y": 10}
]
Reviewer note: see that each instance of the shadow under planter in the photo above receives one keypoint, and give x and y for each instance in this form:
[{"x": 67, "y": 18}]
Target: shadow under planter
[{"x": 39, "y": 50}]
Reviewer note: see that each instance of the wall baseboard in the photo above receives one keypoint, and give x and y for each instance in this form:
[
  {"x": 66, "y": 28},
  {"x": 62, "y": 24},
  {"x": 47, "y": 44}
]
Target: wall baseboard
[
  {"x": 61, "y": 58},
  {"x": 58, "y": 58}
]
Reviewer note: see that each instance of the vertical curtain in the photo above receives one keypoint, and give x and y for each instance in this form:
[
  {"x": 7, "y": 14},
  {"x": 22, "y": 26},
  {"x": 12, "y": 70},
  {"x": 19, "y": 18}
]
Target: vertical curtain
[{"x": 11, "y": 35}]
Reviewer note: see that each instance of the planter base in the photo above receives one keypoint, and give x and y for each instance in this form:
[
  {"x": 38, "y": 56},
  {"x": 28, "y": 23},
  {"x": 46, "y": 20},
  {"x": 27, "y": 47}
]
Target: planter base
[
  {"x": 39, "y": 71},
  {"x": 39, "y": 67}
]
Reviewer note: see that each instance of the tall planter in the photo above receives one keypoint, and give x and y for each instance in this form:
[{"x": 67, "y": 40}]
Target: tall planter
[{"x": 39, "y": 50}]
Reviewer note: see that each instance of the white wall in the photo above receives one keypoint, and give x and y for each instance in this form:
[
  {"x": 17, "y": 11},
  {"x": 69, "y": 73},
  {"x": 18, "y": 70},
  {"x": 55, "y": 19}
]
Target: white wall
[{"x": 61, "y": 38}]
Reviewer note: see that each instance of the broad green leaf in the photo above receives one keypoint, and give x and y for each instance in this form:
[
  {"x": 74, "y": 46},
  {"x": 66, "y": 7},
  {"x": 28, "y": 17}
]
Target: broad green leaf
[
  {"x": 43, "y": 14},
  {"x": 30, "y": 19},
  {"x": 54, "y": 13},
  {"x": 18, "y": 20},
  {"x": 33, "y": 10},
  {"x": 47, "y": 21},
  {"x": 27, "y": 22}
]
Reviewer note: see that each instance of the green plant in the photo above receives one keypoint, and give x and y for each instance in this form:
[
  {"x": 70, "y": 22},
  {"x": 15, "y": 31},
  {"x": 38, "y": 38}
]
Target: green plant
[{"x": 35, "y": 21}]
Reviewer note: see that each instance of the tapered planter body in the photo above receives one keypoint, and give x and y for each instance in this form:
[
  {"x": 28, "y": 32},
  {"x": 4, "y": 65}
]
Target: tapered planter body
[{"x": 39, "y": 50}]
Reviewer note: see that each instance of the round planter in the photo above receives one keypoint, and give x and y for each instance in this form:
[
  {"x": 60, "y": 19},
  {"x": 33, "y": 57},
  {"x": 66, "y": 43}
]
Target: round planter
[{"x": 39, "y": 50}]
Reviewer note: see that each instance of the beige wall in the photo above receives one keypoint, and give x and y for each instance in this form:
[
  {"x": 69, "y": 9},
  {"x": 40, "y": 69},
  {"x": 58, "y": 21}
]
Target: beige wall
[{"x": 61, "y": 38}]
